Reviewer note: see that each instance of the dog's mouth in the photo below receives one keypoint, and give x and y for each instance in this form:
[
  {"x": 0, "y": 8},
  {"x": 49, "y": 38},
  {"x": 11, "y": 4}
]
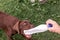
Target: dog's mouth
[
  {"x": 25, "y": 25},
  {"x": 28, "y": 36}
]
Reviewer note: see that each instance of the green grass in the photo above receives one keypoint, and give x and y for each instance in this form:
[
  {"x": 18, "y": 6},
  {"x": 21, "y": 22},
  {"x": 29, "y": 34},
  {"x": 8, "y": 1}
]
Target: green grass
[{"x": 36, "y": 13}]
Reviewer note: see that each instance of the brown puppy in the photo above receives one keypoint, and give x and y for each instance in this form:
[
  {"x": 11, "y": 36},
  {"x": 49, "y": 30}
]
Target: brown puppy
[{"x": 11, "y": 25}]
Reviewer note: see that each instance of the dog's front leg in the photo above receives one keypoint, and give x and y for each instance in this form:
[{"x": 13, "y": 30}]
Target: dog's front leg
[
  {"x": 9, "y": 38},
  {"x": 9, "y": 34}
]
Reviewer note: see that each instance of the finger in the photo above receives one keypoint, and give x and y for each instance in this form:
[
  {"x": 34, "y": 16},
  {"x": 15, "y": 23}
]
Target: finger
[{"x": 50, "y": 21}]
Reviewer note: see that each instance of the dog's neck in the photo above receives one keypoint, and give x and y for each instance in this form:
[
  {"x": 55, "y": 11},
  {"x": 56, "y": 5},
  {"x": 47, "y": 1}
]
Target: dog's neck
[{"x": 16, "y": 27}]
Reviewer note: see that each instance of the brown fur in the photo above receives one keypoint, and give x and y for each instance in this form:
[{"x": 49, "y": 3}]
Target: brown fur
[{"x": 11, "y": 25}]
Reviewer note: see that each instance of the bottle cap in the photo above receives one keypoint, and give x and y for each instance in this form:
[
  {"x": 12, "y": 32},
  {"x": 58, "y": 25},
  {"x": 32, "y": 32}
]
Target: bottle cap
[{"x": 50, "y": 25}]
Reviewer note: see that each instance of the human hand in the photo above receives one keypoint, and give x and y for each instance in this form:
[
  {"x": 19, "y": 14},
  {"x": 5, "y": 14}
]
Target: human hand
[{"x": 55, "y": 28}]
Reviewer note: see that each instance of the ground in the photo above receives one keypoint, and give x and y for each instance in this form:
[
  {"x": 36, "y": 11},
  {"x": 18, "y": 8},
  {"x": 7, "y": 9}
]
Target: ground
[{"x": 36, "y": 13}]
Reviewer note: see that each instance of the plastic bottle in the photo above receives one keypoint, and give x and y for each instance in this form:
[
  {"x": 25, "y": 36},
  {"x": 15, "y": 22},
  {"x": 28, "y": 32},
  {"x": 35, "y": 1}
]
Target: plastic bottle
[{"x": 38, "y": 29}]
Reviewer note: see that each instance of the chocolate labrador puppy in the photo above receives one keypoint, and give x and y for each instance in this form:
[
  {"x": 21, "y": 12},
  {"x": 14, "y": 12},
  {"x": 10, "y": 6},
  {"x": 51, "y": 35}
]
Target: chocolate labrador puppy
[{"x": 11, "y": 25}]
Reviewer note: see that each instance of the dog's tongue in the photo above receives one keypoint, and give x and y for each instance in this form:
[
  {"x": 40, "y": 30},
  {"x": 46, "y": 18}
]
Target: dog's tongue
[{"x": 38, "y": 29}]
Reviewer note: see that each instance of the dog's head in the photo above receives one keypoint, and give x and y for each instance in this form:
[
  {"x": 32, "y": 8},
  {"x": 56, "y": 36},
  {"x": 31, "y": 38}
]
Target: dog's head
[{"x": 24, "y": 25}]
